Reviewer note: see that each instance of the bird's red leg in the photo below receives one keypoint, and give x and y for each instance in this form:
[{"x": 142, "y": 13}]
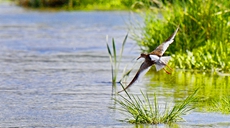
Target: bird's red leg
[
  {"x": 166, "y": 71},
  {"x": 169, "y": 67}
]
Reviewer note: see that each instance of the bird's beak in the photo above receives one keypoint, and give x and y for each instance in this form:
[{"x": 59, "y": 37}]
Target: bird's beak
[{"x": 138, "y": 57}]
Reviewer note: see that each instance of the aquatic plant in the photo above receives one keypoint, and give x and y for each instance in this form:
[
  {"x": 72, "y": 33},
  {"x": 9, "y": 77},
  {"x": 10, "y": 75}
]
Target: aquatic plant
[
  {"x": 115, "y": 59},
  {"x": 143, "y": 111},
  {"x": 202, "y": 23},
  {"x": 214, "y": 55}
]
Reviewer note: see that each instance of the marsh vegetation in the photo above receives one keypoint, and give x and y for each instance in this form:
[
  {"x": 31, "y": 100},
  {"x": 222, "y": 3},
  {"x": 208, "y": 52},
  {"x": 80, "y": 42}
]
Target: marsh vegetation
[{"x": 203, "y": 41}]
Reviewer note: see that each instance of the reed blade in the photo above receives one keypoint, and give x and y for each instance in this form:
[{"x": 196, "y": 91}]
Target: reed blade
[{"x": 114, "y": 51}]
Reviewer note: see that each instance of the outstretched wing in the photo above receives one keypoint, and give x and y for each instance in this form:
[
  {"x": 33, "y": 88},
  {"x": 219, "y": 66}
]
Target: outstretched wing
[
  {"x": 144, "y": 66},
  {"x": 160, "y": 50}
]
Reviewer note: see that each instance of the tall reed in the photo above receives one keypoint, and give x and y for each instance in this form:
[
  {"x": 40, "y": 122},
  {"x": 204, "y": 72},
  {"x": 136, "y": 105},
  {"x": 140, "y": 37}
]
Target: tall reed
[{"x": 115, "y": 59}]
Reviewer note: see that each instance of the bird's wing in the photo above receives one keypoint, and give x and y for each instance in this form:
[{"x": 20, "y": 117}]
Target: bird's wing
[
  {"x": 144, "y": 66},
  {"x": 160, "y": 50}
]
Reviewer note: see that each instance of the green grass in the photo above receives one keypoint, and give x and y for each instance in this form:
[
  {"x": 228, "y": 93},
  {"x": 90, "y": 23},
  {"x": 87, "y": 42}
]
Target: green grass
[
  {"x": 204, "y": 32},
  {"x": 214, "y": 56},
  {"x": 142, "y": 110}
]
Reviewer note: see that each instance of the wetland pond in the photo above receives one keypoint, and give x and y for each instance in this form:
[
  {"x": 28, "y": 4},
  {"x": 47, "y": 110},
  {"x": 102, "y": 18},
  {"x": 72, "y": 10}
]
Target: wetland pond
[{"x": 55, "y": 72}]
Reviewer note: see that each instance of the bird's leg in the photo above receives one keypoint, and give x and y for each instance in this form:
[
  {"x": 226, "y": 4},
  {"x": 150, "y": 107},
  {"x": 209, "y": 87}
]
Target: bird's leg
[
  {"x": 166, "y": 71},
  {"x": 166, "y": 65},
  {"x": 169, "y": 67}
]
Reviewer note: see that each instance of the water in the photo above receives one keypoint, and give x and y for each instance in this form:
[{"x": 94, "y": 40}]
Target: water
[{"x": 55, "y": 71}]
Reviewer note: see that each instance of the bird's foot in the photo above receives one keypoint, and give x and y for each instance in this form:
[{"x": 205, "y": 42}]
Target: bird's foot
[{"x": 167, "y": 71}]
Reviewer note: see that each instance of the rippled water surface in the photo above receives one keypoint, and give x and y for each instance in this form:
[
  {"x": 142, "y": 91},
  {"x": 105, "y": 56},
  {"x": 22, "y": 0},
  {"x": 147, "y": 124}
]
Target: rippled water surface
[{"x": 55, "y": 71}]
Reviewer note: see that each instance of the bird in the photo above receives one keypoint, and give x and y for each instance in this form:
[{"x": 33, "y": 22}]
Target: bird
[{"x": 154, "y": 58}]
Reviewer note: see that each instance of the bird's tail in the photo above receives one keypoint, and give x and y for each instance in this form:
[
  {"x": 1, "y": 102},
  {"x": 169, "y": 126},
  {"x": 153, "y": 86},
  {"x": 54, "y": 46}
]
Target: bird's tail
[{"x": 163, "y": 62}]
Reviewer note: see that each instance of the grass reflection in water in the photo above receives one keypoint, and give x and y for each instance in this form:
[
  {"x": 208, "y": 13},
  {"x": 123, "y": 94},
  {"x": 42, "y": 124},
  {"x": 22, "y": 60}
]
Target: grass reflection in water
[{"x": 213, "y": 92}]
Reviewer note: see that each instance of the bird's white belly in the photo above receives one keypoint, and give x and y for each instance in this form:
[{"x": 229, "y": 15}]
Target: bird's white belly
[
  {"x": 154, "y": 58},
  {"x": 160, "y": 60}
]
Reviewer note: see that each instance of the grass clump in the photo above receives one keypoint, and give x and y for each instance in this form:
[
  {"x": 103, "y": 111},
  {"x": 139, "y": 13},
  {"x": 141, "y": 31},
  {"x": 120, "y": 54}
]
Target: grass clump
[{"x": 143, "y": 111}]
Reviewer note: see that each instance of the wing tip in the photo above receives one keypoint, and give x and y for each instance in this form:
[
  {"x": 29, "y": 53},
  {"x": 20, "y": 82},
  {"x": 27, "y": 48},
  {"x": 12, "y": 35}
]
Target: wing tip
[{"x": 173, "y": 35}]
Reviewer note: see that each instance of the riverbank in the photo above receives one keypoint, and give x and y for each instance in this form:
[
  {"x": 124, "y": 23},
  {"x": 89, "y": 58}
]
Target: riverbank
[{"x": 88, "y": 4}]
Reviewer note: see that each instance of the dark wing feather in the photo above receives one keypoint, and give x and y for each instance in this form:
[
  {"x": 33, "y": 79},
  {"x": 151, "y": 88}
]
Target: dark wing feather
[
  {"x": 160, "y": 50},
  {"x": 143, "y": 67}
]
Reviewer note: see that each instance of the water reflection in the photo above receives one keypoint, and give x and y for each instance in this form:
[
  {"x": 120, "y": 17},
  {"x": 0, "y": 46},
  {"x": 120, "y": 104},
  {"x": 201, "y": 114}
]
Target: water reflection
[{"x": 182, "y": 83}]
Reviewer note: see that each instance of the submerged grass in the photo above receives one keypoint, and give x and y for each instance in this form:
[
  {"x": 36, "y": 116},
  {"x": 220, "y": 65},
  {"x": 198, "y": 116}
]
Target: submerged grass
[
  {"x": 222, "y": 105},
  {"x": 143, "y": 111}
]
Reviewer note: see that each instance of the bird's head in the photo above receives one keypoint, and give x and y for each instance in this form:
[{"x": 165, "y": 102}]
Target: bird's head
[{"x": 142, "y": 56}]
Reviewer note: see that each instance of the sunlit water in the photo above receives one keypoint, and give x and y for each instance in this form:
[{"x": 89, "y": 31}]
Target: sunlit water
[{"x": 55, "y": 71}]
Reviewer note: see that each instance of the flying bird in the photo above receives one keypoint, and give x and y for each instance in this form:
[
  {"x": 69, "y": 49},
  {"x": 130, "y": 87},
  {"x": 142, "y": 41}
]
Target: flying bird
[{"x": 155, "y": 57}]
